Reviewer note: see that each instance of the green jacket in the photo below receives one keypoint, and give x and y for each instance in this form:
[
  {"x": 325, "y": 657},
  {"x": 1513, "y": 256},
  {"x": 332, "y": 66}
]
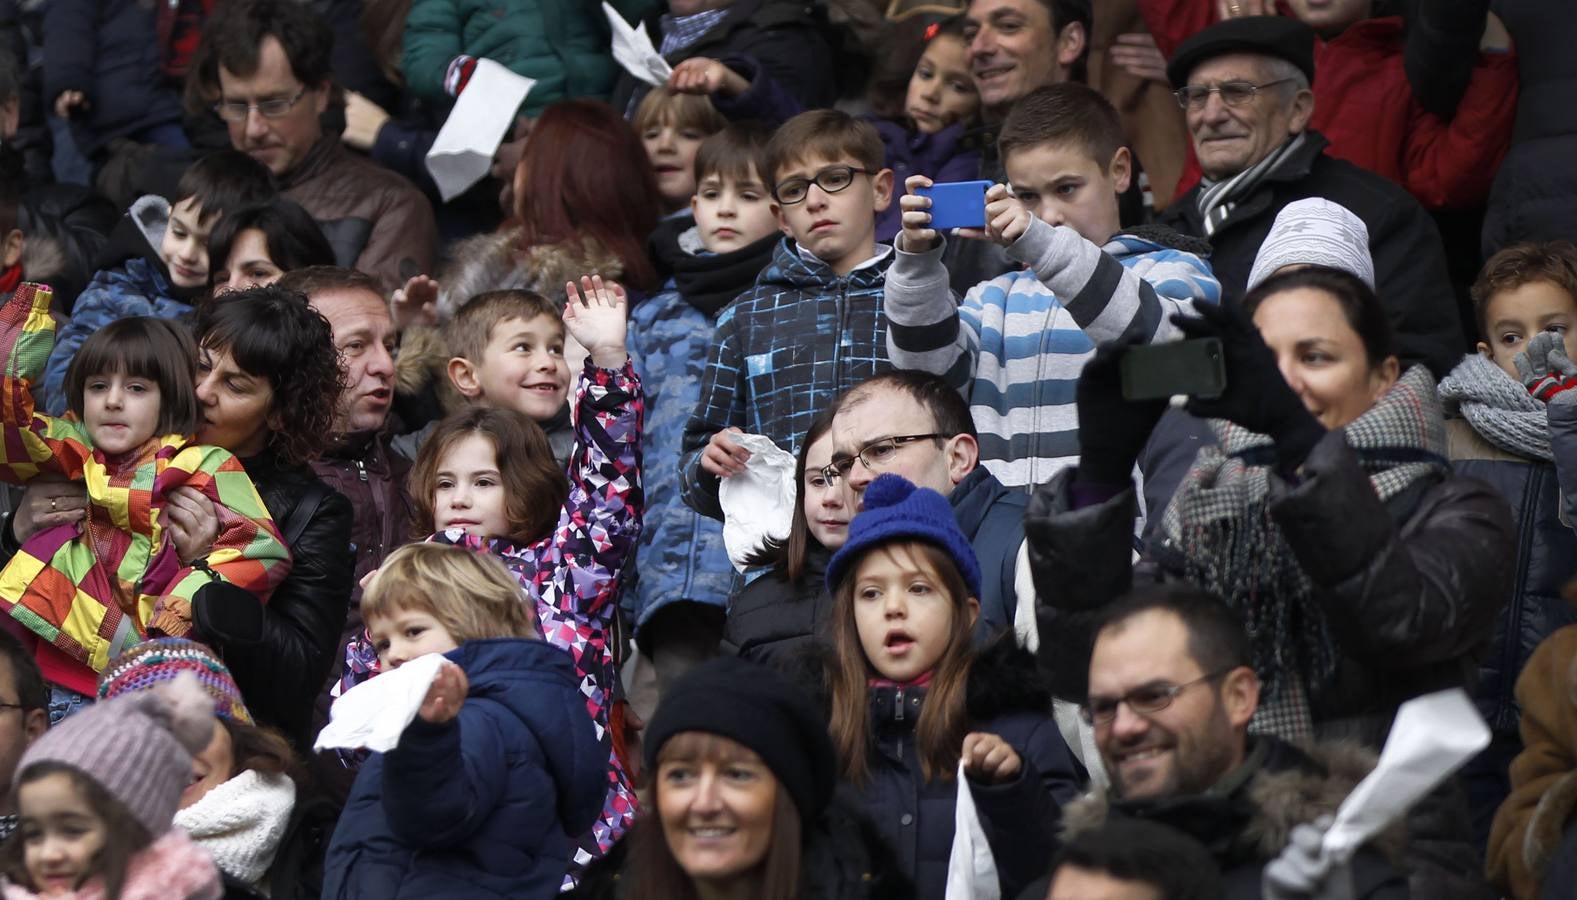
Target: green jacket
[{"x": 563, "y": 44}]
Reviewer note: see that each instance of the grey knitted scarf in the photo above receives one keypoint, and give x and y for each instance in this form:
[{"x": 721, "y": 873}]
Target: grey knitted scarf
[
  {"x": 1217, "y": 199},
  {"x": 1498, "y": 407}
]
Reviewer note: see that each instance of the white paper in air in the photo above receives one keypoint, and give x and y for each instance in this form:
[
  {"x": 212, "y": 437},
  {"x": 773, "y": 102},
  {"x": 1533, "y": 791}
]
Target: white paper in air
[
  {"x": 758, "y": 503},
  {"x": 971, "y": 869},
  {"x": 375, "y": 713},
  {"x": 463, "y": 151},
  {"x": 1433, "y": 736},
  {"x": 633, "y": 50}
]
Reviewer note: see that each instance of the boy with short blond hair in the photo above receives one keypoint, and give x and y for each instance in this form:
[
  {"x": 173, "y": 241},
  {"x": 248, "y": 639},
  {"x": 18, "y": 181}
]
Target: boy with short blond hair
[
  {"x": 508, "y": 351},
  {"x": 1015, "y": 344},
  {"x": 813, "y": 324}
]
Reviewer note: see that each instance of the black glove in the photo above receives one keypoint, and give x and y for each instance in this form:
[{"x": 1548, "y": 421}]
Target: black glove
[
  {"x": 1112, "y": 429},
  {"x": 1256, "y": 397}
]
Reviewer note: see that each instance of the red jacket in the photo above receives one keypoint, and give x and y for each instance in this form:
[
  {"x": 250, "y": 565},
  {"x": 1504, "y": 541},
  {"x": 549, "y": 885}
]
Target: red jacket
[{"x": 1365, "y": 106}]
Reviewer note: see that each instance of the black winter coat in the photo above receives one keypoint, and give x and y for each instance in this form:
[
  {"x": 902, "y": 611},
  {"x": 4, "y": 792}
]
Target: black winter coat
[
  {"x": 110, "y": 51},
  {"x": 1409, "y": 260},
  {"x": 1410, "y": 587},
  {"x": 281, "y": 652},
  {"x": 915, "y": 815},
  {"x": 776, "y": 623}
]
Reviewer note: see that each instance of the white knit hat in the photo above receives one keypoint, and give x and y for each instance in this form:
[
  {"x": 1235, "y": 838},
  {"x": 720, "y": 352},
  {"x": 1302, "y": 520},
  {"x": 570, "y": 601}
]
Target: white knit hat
[{"x": 1315, "y": 232}]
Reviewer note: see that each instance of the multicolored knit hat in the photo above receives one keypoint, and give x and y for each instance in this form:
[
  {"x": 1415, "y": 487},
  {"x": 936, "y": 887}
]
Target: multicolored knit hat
[{"x": 161, "y": 659}]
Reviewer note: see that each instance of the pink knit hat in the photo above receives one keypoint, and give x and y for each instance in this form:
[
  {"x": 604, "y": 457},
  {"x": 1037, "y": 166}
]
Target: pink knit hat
[{"x": 138, "y": 747}]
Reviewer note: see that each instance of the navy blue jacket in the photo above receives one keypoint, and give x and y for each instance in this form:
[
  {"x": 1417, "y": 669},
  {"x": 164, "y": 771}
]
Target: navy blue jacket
[
  {"x": 484, "y": 805},
  {"x": 109, "y": 50},
  {"x": 991, "y": 515}
]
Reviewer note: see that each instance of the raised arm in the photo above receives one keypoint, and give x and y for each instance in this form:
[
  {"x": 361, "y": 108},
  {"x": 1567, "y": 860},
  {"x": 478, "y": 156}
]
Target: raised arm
[
  {"x": 924, "y": 329},
  {"x": 34, "y": 442}
]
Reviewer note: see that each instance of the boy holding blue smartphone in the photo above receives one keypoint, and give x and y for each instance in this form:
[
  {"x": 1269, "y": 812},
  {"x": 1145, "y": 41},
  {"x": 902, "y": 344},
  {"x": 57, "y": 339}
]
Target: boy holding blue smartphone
[{"x": 1015, "y": 344}]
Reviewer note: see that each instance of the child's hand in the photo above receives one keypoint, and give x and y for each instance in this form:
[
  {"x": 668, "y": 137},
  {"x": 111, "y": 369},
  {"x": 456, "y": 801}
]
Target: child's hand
[
  {"x": 722, "y": 456},
  {"x": 917, "y": 235},
  {"x": 1006, "y": 218},
  {"x": 445, "y": 695},
  {"x": 699, "y": 75},
  {"x": 987, "y": 757},
  {"x": 1545, "y": 369},
  {"x": 192, "y": 521},
  {"x": 598, "y": 322},
  {"x": 69, "y": 101},
  {"x": 415, "y": 304}
]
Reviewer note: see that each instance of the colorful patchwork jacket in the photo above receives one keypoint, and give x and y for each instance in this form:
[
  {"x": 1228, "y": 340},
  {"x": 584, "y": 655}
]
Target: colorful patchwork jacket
[{"x": 95, "y": 593}]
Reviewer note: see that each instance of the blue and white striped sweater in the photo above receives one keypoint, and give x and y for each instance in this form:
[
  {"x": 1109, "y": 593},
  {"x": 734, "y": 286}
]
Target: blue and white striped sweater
[{"x": 1016, "y": 349}]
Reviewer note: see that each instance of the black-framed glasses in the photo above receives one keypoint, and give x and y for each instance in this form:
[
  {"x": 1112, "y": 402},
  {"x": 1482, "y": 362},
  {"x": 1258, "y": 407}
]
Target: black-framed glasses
[
  {"x": 237, "y": 111},
  {"x": 1144, "y": 699},
  {"x": 832, "y": 180},
  {"x": 875, "y": 455},
  {"x": 1233, "y": 93}
]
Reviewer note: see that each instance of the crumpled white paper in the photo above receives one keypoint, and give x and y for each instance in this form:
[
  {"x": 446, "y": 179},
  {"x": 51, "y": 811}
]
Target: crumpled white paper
[
  {"x": 971, "y": 869},
  {"x": 758, "y": 503},
  {"x": 632, "y": 49},
  {"x": 375, "y": 713},
  {"x": 463, "y": 151},
  {"x": 1432, "y": 737}
]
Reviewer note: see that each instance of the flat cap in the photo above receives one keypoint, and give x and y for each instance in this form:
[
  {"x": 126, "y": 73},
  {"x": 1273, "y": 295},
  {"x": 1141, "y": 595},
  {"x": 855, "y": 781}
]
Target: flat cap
[{"x": 1280, "y": 36}]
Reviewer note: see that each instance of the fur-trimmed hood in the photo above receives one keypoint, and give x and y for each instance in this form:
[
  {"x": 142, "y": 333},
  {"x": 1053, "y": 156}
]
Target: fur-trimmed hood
[
  {"x": 43, "y": 259},
  {"x": 491, "y": 262},
  {"x": 423, "y": 363},
  {"x": 1278, "y": 787}
]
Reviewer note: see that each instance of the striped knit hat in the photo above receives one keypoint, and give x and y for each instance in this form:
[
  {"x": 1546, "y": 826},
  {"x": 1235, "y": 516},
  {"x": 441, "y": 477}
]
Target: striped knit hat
[{"x": 161, "y": 659}]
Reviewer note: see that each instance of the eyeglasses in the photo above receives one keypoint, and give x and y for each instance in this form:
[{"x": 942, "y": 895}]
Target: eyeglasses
[
  {"x": 237, "y": 111},
  {"x": 875, "y": 455},
  {"x": 1233, "y": 93},
  {"x": 1145, "y": 699},
  {"x": 831, "y": 180}
]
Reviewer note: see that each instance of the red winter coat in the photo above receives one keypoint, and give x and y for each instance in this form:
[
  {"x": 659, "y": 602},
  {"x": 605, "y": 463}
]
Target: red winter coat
[{"x": 1365, "y": 107}]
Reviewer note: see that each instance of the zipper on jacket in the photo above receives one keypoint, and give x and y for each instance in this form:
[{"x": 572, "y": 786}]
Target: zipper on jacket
[
  {"x": 361, "y": 471},
  {"x": 898, "y": 713}
]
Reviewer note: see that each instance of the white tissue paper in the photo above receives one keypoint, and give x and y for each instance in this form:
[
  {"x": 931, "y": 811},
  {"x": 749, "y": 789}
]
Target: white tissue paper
[
  {"x": 1432, "y": 737},
  {"x": 463, "y": 151},
  {"x": 632, "y": 49},
  {"x": 971, "y": 869},
  {"x": 758, "y": 503},
  {"x": 374, "y": 714}
]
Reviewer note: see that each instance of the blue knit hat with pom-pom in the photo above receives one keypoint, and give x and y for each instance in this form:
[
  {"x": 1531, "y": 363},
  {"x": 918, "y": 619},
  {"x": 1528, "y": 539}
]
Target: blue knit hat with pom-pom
[{"x": 896, "y": 510}]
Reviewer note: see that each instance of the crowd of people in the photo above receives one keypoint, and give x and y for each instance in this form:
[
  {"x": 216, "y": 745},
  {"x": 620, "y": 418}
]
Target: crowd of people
[{"x": 947, "y": 449}]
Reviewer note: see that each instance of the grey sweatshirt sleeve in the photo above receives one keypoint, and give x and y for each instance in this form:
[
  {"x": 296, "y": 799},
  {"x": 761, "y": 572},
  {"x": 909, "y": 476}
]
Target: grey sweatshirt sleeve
[{"x": 924, "y": 330}]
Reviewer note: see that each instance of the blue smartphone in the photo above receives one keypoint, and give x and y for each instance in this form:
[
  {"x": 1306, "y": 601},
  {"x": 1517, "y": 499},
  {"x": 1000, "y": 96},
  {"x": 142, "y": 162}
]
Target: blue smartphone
[{"x": 957, "y": 204}]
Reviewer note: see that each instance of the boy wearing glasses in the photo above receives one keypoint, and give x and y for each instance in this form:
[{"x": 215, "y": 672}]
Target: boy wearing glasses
[
  {"x": 812, "y": 326},
  {"x": 1015, "y": 345}
]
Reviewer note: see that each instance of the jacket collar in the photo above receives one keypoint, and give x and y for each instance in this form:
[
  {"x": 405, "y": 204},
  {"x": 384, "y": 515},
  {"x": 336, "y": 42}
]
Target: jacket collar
[
  {"x": 323, "y": 155},
  {"x": 973, "y": 498},
  {"x": 792, "y": 269}
]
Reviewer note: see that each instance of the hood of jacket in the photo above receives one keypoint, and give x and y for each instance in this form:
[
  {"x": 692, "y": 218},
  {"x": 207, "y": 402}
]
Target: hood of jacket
[
  {"x": 423, "y": 364},
  {"x": 497, "y": 261},
  {"x": 707, "y": 281},
  {"x": 790, "y": 269},
  {"x": 43, "y": 259}
]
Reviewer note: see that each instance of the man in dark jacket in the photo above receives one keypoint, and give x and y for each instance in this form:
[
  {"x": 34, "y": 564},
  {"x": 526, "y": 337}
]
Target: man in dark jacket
[
  {"x": 1171, "y": 695},
  {"x": 913, "y": 424},
  {"x": 1244, "y": 84},
  {"x": 265, "y": 67}
]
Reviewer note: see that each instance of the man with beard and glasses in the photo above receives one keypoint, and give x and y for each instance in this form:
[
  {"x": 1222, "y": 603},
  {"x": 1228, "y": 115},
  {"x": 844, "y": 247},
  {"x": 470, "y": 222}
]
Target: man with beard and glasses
[{"x": 1172, "y": 690}]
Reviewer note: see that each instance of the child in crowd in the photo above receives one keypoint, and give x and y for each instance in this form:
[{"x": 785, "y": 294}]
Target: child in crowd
[
  {"x": 684, "y": 576},
  {"x": 88, "y": 596},
  {"x": 501, "y": 765},
  {"x": 1015, "y": 345},
  {"x": 779, "y": 615},
  {"x": 672, "y": 126},
  {"x": 487, "y": 480},
  {"x": 169, "y": 268},
  {"x": 931, "y": 138},
  {"x": 911, "y": 698},
  {"x": 509, "y": 353},
  {"x": 1512, "y": 423},
  {"x": 812, "y": 326},
  {"x": 97, "y": 795}
]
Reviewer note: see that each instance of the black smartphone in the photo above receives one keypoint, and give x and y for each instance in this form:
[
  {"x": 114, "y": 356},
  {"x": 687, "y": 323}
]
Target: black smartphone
[{"x": 1195, "y": 368}]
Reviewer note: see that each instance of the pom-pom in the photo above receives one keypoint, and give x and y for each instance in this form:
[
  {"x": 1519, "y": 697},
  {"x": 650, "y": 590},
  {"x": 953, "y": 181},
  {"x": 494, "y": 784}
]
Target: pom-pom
[
  {"x": 887, "y": 490},
  {"x": 184, "y": 709}
]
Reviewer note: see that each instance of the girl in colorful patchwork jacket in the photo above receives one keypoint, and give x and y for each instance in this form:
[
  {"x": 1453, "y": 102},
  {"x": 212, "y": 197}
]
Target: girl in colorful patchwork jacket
[
  {"x": 89, "y": 592},
  {"x": 486, "y": 479}
]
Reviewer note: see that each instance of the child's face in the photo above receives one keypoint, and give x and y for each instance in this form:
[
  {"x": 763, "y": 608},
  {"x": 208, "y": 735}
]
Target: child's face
[
  {"x": 1062, "y": 185},
  {"x": 672, "y": 152},
  {"x": 902, "y": 612},
  {"x": 121, "y": 411},
  {"x": 838, "y": 226},
  {"x": 61, "y": 835},
  {"x": 185, "y": 245},
  {"x": 405, "y": 635},
  {"x": 249, "y": 264},
  {"x": 523, "y": 368},
  {"x": 732, "y": 214},
  {"x": 941, "y": 90},
  {"x": 827, "y": 504},
  {"x": 469, "y": 492},
  {"x": 1513, "y": 317}
]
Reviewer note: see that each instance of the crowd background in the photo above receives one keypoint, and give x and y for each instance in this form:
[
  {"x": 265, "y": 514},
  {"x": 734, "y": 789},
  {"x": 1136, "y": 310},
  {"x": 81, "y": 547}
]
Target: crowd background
[{"x": 278, "y": 420}]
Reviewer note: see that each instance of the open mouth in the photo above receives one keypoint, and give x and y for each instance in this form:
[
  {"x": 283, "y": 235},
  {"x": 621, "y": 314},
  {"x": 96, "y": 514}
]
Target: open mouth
[{"x": 898, "y": 643}]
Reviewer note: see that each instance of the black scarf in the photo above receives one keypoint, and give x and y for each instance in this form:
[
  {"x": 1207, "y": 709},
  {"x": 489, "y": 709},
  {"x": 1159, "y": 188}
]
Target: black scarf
[{"x": 711, "y": 281}]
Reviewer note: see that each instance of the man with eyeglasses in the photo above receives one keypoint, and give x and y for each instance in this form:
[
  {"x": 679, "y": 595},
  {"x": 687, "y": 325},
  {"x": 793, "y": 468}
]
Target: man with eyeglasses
[
  {"x": 264, "y": 68},
  {"x": 1172, "y": 690},
  {"x": 1244, "y": 88}
]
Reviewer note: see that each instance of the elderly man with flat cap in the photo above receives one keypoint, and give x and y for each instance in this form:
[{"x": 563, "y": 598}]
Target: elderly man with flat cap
[{"x": 1244, "y": 87}]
